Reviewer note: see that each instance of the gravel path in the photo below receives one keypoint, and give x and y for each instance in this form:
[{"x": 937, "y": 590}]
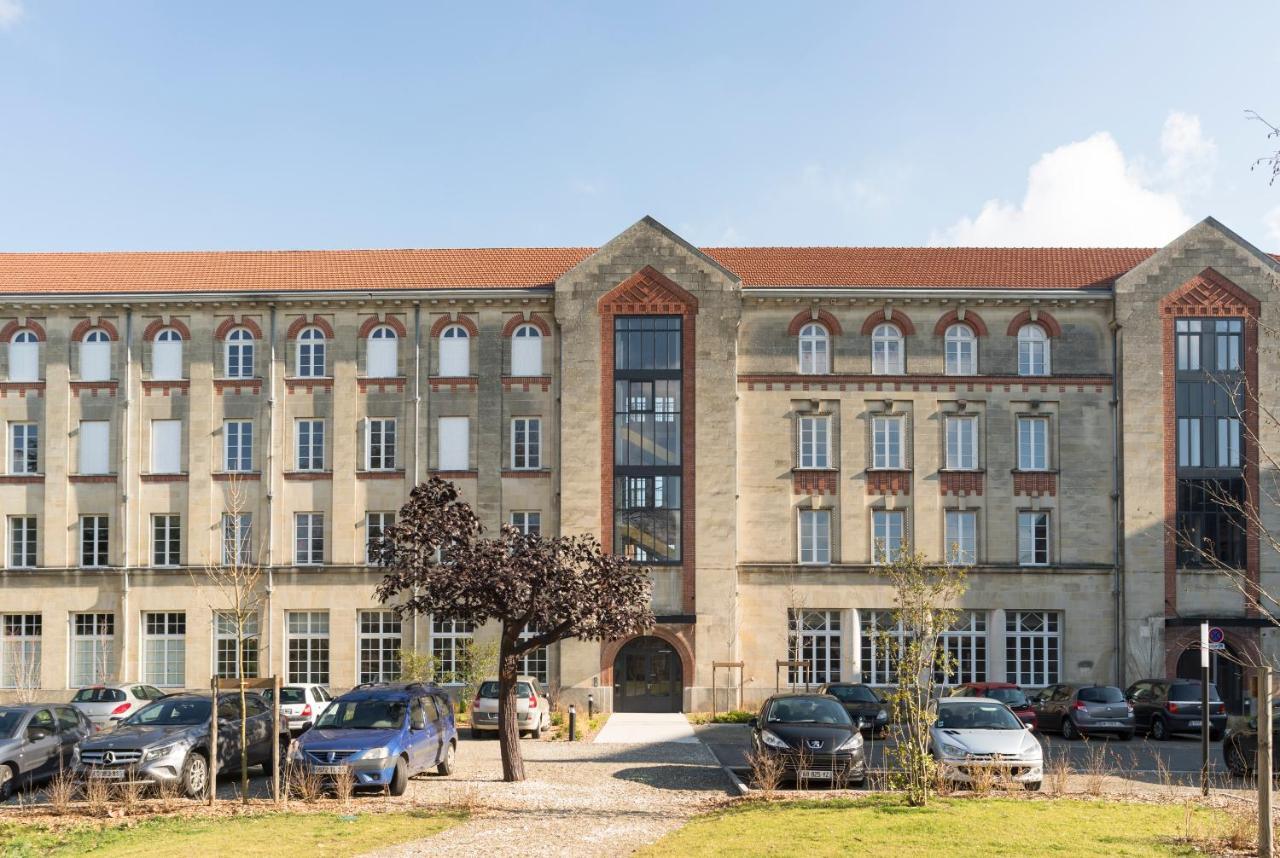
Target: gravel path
[{"x": 580, "y": 799}]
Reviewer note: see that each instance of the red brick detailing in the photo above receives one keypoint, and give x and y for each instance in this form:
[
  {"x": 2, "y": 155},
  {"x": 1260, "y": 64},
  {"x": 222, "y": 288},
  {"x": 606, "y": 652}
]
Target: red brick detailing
[
  {"x": 382, "y": 385},
  {"x": 926, "y": 383},
  {"x": 308, "y": 385},
  {"x": 20, "y": 479},
  {"x": 164, "y": 478},
  {"x": 1244, "y": 641},
  {"x": 962, "y": 483},
  {"x": 534, "y": 319},
  {"x": 880, "y": 482},
  {"x": 230, "y": 323},
  {"x": 681, "y": 638},
  {"x": 6, "y": 334},
  {"x": 87, "y": 325},
  {"x": 805, "y": 482},
  {"x": 165, "y": 387},
  {"x": 899, "y": 318},
  {"x": 1043, "y": 319},
  {"x": 455, "y": 475},
  {"x": 823, "y": 317},
  {"x": 390, "y": 320},
  {"x": 526, "y": 382},
  {"x": 93, "y": 388},
  {"x": 91, "y": 478},
  {"x": 1207, "y": 294},
  {"x": 237, "y": 385},
  {"x": 454, "y": 383},
  {"x": 380, "y": 475},
  {"x": 22, "y": 388},
  {"x": 296, "y": 326},
  {"x": 236, "y": 476},
  {"x": 158, "y": 325},
  {"x": 1035, "y": 483},
  {"x": 952, "y": 317},
  {"x": 649, "y": 292},
  {"x": 463, "y": 319},
  {"x": 308, "y": 476}
]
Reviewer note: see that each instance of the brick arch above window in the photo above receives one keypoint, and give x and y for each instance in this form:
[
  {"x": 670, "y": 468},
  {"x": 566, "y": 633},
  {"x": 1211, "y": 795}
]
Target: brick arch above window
[
  {"x": 1043, "y": 319},
  {"x": 157, "y": 325},
  {"x": 534, "y": 319},
  {"x": 899, "y": 318},
  {"x": 297, "y": 325},
  {"x": 822, "y": 317},
  {"x": 87, "y": 325},
  {"x": 609, "y": 653},
  {"x": 392, "y": 322},
  {"x": 231, "y": 323},
  {"x": 952, "y": 317},
  {"x": 464, "y": 320},
  {"x": 13, "y": 327}
]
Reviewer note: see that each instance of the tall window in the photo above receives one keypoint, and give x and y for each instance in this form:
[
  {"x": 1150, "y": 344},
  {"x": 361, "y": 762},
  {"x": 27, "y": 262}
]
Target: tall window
[
  {"x": 882, "y": 641},
  {"x": 961, "y": 546},
  {"x": 526, "y": 443},
  {"x": 886, "y": 443},
  {"x": 166, "y": 355},
  {"x": 225, "y": 635},
  {"x": 22, "y": 542},
  {"x": 95, "y": 356},
  {"x": 93, "y": 656},
  {"x": 95, "y": 444},
  {"x": 962, "y": 442},
  {"x": 455, "y": 351},
  {"x": 166, "y": 540},
  {"x": 815, "y": 442},
  {"x": 307, "y": 643},
  {"x": 961, "y": 350},
  {"x": 164, "y": 648},
  {"x": 535, "y": 662},
  {"x": 526, "y": 351},
  {"x": 1211, "y": 526},
  {"x": 813, "y": 637},
  {"x": 20, "y": 651},
  {"x": 528, "y": 523},
  {"x": 24, "y": 357},
  {"x": 815, "y": 350},
  {"x": 24, "y": 448},
  {"x": 888, "y": 535},
  {"x": 450, "y": 640},
  {"x": 815, "y": 536},
  {"x": 237, "y": 539},
  {"x": 166, "y": 446},
  {"x": 380, "y": 444},
  {"x": 309, "y": 445},
  {"x": 312, "y": 358},
  {"x": 648, "y": 379},
  {"x": 1033, "y": 443},
  {"x": 94, "y": 544},
  {"x": 1033, "y": 538},
  {"x": 1032, "y": 647},
  {"x": 965, "y": 646},
  {"x": 380, "y": 645},
  {"x": 375, "y": 527},
  {"x": 453, "y": 435},
  {"x": 237, "y": 354},
  {"x": 237, "y": 445},
  {"x": 382, "y": 358},
  {"x": 1033, "y": 350},
  {"x": 308, "y": 532},
  {"x": 887, "y": 356}
]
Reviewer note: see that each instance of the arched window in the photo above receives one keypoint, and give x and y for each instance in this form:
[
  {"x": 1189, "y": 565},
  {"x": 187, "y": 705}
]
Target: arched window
[
  {"x": 961, "y": 350},
  {"x": 455, "y": 351},
  {"x": 886, "y": 350},
  {"x": 1033, "y": 350},
  {"x": 166, "y": 355},
  {"x": 238, "y": 353},
  {"x": 95, "y": 356},
  {"x": 526, "y": 351},
  {"x": 24, "y": 357},
  {"x": 382, "y": 356},
  {"x": 815, "y": 350},
  {"x": 311, "y": 353}
]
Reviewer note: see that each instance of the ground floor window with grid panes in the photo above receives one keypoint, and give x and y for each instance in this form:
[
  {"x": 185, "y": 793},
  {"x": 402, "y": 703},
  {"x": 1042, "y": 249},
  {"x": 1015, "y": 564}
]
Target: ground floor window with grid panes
[
  {"x": 965, "y": 645},
  {"x": 534, "y": 662},
  {"x": 380, "y": 644},
  {"x": 307, "y": 643},
  {"x": 1032, "y": 647},
  {"x": 22, "y": 542},
  {"x": 164, "y": 648},
  {"x": 226, "y": 634},
  {"x": 881, "y": 641},
  {"x": 93, "y": 651},
  {"x": 813, "y": 636},
  {"x": 20, "y": 650},
  {"x": 450, "y": 640}
]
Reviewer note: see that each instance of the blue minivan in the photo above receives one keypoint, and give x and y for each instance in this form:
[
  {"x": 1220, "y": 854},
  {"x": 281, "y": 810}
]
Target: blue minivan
[{"x": 384, "y": 733}]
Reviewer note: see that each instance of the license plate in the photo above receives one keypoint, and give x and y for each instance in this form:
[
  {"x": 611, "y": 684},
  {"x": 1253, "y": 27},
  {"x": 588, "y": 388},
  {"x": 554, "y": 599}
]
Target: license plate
[
  {"x": 815, "y": 774},
  {"x": 106, "y": 774},
  {"x": 1193, "y": 724},
  {"x": 329, "y": 770},
  {"x": 1107, "y": 723}
]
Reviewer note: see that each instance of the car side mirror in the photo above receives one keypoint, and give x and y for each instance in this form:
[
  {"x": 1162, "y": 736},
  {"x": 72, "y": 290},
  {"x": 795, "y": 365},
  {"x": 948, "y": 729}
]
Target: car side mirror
[
  {"x": 35, "y": 734},
  {"x": 754, "y": 723}
]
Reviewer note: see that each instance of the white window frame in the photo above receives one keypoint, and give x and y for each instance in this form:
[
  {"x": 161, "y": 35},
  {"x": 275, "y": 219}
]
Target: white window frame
[
  {"x": 95, "y": 541},
  {"x": 24, "y": 536},
  {"x": 455, "y": 352},
  {"x": 379, "y": 639},
  {"x": 382, "y": 353},
  {"x": 882, "y": 639},
  {"x": 166, "y": 355},
  {"x": 527, "y": 521},
  {"x": 310, "y": 662},
  {"x": 226, "y": 642},
  {"x": 312, "y": 353},
  {"x": 95, "y": 447},
  {"x": 166, "y": 529},
  {"x": 814, "y": 541},
  {"x": 166, "y": 446},
  {"x": 888, "y": 350},
  {"x": 24, "y": 356},
  {"x": 1033, "y": 351},
  {"x": 815, "y": 441},
  {"x": 380, "y": 444},
  {"x": 237, "y": 538},
  {"x": 1033, "y": 656},
  {"x": 814, "y": 344},
  {"x": 238, "y": 353},
  {"x": 526, "y": 443},
  {"x": 536, "y": 662},
  {"x": 93, "y": 636},
  {"x": 309, "y": 443},
  {"x": 24, "y": 448},
  {"x": 164, "y": 666},
  {"x": 375, "y": 525},
  {"x": 526, "y": 351},
  {"x": 961, "y": 347},
  {"x": 237, "y": 446},
  {"x": 308, "y": 539},
  {"x": 815, "y": 636},
  {"x": 453, "y": 436},
  {"x": 888, "y": 535},
  {"x": 1033, "y": 443},
  {"x": 1029, "y": 521},
  {"x": 962, "y": 442},
  {"x": 449, "y": 640},
  {"x": 95, "y": 356},
  {"x": 21, "y": 650},
  {"x": 968, "y": 647},
  {"x": 888, "y": 443},
  {"x": 960, "y": 535}
]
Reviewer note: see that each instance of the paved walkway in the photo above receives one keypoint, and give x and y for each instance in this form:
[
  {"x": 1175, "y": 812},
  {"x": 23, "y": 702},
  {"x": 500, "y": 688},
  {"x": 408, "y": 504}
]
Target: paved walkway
[{"x": 646, "y": 728}]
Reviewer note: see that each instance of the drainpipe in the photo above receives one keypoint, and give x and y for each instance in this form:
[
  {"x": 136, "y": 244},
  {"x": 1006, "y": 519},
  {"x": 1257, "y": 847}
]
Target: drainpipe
[
  {"x": 126, "y": 440},
  {"x": 1117, "y": 495},
  {"x": 414, "y": 630},
  {"x": 270, "y": 474}
]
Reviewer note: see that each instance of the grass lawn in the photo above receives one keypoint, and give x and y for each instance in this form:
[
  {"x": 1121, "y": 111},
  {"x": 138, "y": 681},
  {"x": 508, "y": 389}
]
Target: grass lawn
[
  {"x": 266, "y": 836},
  {"x": 884, "y": 826}
]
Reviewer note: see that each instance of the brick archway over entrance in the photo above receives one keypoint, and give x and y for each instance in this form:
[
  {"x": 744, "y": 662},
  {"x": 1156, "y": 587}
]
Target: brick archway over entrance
[{"x": 610, "y": 651}]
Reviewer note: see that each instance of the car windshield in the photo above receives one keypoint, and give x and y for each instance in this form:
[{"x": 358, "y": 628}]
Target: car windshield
[
  {"x": 853, "y": 694},
  {"x": 1101, "y": 694},
  {"x": 1012, "y": 697},
  {"x": 98, "y": 695},
  {"x": 9, "y": 721},
  {"x": 808, "y": 710},
  {"x": 177, "y": 712},
  {"x": 491, "y": 688},
  {"x": 290, "y": 695},
  {"x": 364, "y": 715},
  {"x": 976, "y": 716},
  {"x": 1189, "y": 692}
]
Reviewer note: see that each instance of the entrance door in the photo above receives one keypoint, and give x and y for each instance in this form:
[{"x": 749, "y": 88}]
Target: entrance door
[
  {"x": 648, "y": 677},
  {"x": 1224, "y": 672}
]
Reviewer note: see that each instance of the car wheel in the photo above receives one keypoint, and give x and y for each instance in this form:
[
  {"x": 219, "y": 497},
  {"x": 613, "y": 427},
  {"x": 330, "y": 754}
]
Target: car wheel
[
  {"x": 280, "y": 762},
  {"x": 446, "y": 765},
  {"x": 400, "y": 779},
  {"x": 1031, "y": 786},
  {"x": 8, "y": 778},
  {"x": 194, "y": 779},
  {"x": 1069, "y": 730},
  {"x": 1159, "y": 731},
  {"x": 1236, "y": 763}
]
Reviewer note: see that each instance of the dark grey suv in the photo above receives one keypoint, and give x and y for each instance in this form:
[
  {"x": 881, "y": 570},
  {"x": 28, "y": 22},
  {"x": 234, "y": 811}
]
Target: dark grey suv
[
  {"x": 1083, "y": 710},
  {"x": 1167, "y": 706}
]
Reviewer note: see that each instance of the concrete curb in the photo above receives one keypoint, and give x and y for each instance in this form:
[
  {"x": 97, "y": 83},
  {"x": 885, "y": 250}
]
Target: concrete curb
[{"x": 737, "y": 782}]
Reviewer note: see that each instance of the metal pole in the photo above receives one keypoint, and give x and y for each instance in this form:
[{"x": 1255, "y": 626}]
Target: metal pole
[
  {"x": 275, "y": 728},
  {"x": 213, "y": 740},
  {"x": 1204, "y": 708},
  {"x": 591, "y": 707},
  {"x": 1266, "y": 833},
  {"x": 573, "y": 722}
]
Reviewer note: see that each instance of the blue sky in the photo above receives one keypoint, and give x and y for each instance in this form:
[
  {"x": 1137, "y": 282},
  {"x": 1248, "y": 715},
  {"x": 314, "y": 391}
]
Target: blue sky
[{"x": 173, "y": 125}]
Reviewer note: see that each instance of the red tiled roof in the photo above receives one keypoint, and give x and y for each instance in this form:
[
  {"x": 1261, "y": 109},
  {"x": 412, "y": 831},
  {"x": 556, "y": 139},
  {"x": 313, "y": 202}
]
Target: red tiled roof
[{"x": 357, "y": 270}]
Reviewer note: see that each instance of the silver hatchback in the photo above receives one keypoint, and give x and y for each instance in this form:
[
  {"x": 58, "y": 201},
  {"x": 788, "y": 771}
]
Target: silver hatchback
[{"x": 107, "y": 705}]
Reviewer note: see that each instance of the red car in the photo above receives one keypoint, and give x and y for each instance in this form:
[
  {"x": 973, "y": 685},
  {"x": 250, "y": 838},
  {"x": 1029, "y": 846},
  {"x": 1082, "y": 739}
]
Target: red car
[{"x": 1006, "y": 692}]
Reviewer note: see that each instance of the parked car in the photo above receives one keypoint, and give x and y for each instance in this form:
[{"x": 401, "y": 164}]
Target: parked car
[
  {"x": 1240, "y": 744},
  {"x": 969, "y": 734},
  {"x": 108, "y": 705},
  {"x": 167, "y": 741},
  {"x": 36, "y": 742},
  {"x": 384, "y": 734},
  {"x": 1167, "y": 706},
  {"x": 862, "y": 704},
  {"x": 533, "y": 708},
  {"x": 300, "y": 705},
  {"x": 1006, "y": 692},
  {"x": 812, "y": 736},
  {"x": 1083, "y": 710}
]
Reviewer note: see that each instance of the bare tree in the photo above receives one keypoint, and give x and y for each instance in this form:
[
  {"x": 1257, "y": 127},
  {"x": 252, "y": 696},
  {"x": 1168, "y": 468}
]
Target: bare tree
[{"x": 1267, "y": 162}]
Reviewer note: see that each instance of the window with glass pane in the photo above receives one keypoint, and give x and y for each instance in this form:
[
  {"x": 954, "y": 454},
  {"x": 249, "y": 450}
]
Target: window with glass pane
[
  {"x": 647, "y": 425},
  {"x": 965, "y": 649},
  {"x": 962, "y": 443},
  {"x": 886, "y": 443},
  {"x": 166, "y": 540},
  {"x": 1228, "y": 336},
  {"x": 526, "y": 443},
  {"x": 307, "y": 643},
  {"x": 238, "y": 352},
  {"x": 24, "y": 357},
  {"x": 961, "y": 351},
  {"x": 961, "y": 537},
  {"x": 888, "y": 528},
  {"x": 886, "y": 350},
  {"x": 455, "y": 351},
  {"x": 375, "y": 527},
  {"x": 380, "y": 644},
  {"x": 94, "y": 547},
  {"x": 1033, "y": 538},
  {"x": 1189, "y": 346},
  {"x": 1228, "y": 442},
  {"x": 647, "y": 518},
  {"x": 527, "y": 522},
  {"x": 22, "y": 542},
  {"x": 526, "y": 351},
  {"x": 450, "y": 640},
  {"x": 815, "y": 442},
  {"x": 226, "y": 633},
  {"x": 1032, "y": 647},
  {"x": 93, "y": 658},
  {"x": 882, "y": 643},
  {"x": 1189, "y": 443},
  {"x": 166, "y": 355},
  {"x": 237, "y": 443},
  {"x": 309, "y": 441},
  {"x": 381, "y": 445},
  {"x": 308, "y": 528},
  {"x": 237, "y": 538},
  {"x": 24, "y": 441},
  {"x": 382, "y": 359},
  {"x": 535, "y": 662},
  {"x": 21, "y": 651},
  {"x": 312, "y": 353},
  {"x": 1033, "y": 443},
  {"x": 164, "y": 648},
  {"x": 1211, "y": 525},
  {"x": 815, "y": 350},
  {"x": 815, "y": 536},
  {"x": 813, "y": 637},
  {"x": 1033, "y": 350}
]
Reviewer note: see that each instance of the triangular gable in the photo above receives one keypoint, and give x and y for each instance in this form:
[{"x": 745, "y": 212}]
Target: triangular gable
[
  {"x": 648, "y": 291},
  {"x": 1209, "y": 293},
  {"x": 651, "y": 224}
]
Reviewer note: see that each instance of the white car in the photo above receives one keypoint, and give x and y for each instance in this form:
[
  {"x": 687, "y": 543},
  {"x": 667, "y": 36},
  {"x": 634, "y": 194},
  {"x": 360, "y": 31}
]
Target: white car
[
  {"x": 972, "y": 733},
  {"x": 533, "y": 708},
  {"x": 301, "y": 705},
  {"x": 107, "y": 705}
]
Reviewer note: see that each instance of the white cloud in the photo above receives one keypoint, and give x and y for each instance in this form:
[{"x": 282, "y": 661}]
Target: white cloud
[
  {"x": 10, "y": 12},
  {"x": 1088, "y": 193},
  {"x": 1271, "y": 220}
]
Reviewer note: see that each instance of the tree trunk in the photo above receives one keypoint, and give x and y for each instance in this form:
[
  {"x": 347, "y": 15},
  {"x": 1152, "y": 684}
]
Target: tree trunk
[
  {"x": 508, "y": 726},
  {"x": 244, "y": 746}
]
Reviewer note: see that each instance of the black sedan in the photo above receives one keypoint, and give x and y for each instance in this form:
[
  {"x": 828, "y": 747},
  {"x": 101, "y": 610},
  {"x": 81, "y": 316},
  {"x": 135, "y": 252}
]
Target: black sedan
[
  {"x": 811, "y": 738},
  {"x": 1240, "y": 745},
  {"x": 862, "y": 704}
]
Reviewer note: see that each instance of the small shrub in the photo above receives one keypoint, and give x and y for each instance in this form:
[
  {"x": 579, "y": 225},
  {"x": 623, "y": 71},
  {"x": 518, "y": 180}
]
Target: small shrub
[
  {"x": 766, "y": 773},
  {"x": 1056, "y": 773},
  {"x": 61, "y": 792}
]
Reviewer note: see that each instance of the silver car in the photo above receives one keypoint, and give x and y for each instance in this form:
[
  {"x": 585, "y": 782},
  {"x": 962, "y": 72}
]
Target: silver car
[
  {"x": 301, "y": 705},
  {"x": 36, "y": 742},
  {"x": 970, "y": 734},
  {"x": 108, "y": 705},
  {"x": 533, "y": 708}
]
